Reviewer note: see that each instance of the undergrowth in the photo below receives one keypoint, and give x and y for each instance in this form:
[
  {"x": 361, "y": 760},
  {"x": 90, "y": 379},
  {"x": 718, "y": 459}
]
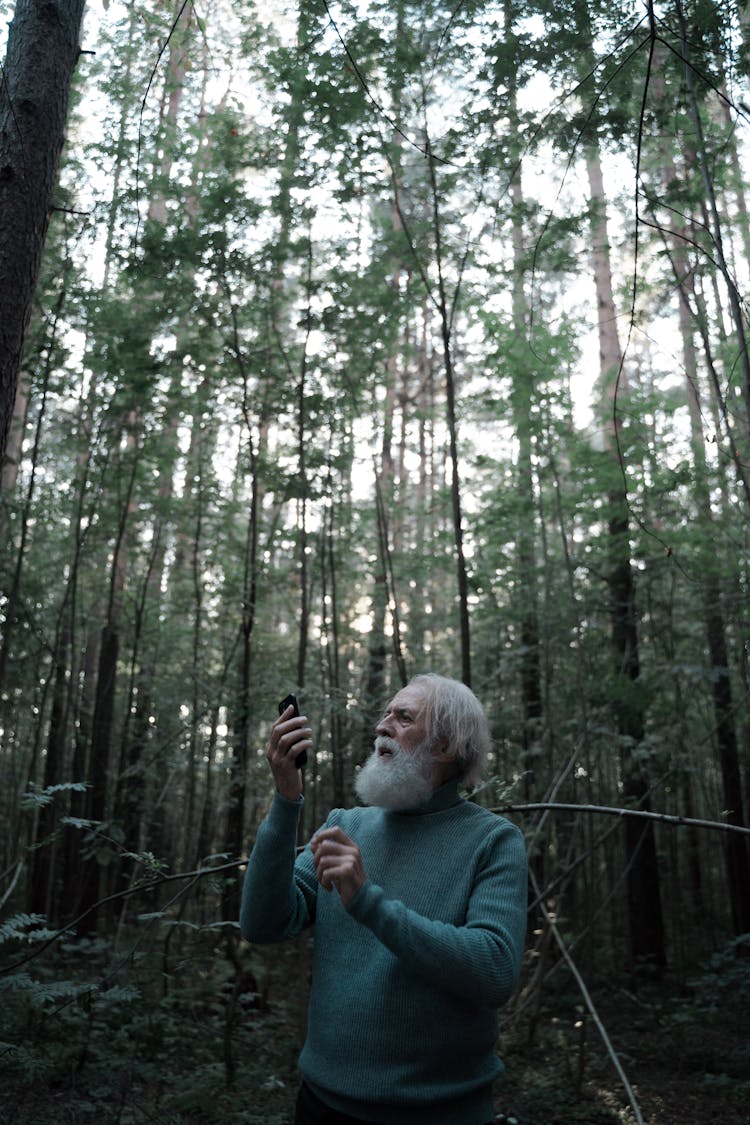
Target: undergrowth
[
  {"x": 93, "y": 1033},
  {"x": 191, "y": 1027}
]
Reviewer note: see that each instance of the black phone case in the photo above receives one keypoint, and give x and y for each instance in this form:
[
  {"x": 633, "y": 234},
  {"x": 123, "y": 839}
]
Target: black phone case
[{"x": 301, "y": 759}]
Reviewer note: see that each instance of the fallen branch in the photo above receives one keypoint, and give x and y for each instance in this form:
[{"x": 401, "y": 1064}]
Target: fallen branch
[
  {"x": 588, "y": 1002},
  {"x": 665, "y": 818},
  {"x": 136, "y": 888}
]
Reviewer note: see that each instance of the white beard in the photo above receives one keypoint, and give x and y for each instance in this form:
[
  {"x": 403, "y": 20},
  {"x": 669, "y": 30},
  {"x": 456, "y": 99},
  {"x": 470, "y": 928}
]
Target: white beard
[{"x": 399, "y": 779}]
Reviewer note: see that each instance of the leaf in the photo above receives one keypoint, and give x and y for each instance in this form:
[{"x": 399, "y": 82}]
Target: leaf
[
  {"x": 148, "y": 859},
  {"x": 78, "y": 822},
  {"x": 120, "y": 994},
  {"x": 35, "y": 797},
  {"x": 17, "y": 928}
]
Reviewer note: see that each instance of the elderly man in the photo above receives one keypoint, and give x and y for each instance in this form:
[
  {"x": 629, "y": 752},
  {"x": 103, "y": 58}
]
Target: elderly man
[{"x": 419, "y": 906}]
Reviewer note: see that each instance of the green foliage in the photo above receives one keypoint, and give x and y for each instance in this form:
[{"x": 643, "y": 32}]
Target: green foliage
[
  {"x": 722, "y": 988},
  {"x": 37, "y": 797},
  {"x": 152, "y": 865},
  {"x": 115, "y": 1034},
  {"x": 236, "y": 341},
  {"x": 24, "y": 927}
]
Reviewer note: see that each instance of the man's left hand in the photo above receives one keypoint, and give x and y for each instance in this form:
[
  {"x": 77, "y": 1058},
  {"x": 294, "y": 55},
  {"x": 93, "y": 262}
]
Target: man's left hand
[{"x": 338, "y": 863}]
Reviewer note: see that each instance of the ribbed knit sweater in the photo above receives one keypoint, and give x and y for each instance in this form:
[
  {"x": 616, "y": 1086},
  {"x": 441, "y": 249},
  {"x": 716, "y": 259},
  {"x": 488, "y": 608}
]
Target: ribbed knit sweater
[{"x": 406, "y": 982}]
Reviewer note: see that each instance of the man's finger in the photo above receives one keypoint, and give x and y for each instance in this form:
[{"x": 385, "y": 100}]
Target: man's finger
[{"x": 335, "y": 834}]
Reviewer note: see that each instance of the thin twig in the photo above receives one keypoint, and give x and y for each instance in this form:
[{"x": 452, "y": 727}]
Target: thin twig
[{"x": 14, "y": 880}]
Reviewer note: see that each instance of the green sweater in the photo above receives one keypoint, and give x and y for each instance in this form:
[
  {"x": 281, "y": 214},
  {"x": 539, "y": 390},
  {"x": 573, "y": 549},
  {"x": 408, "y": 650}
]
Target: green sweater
[{"x": 406, "y": 983}]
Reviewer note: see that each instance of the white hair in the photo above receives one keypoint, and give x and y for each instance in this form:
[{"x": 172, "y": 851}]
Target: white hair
[{"x": 454, "y": 713}]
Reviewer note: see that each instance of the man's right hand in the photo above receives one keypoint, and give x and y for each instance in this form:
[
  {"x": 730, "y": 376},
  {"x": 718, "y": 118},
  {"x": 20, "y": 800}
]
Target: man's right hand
[{"x": 290, "y": 735}]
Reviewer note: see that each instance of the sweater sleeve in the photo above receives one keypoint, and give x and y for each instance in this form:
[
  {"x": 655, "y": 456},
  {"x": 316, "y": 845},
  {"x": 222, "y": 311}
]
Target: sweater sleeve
[
  {"x": 478, "y": 961},
  {"x": 279, "y": 893}
]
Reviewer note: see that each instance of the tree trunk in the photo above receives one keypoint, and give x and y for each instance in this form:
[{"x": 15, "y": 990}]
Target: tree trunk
[
  {"x": 450, "y": 390},
  {"x": 329, "y": 596},
  {"x": 14, "y": 446},
  {"x": 738, "y": 867},
  {"x": 678, "y": 239},
  {"x": 714, "y": 226},
  {"x": 101, "y": 742},
  {"x": 644, "y": 898},
  {"x": 241, "y": 716},
  {"x": 42, "y": 51},
  {"x": 521, "y": 404},
  {"x": 13, "y": 594},
  {"x": 102, "y": 724},
  {"x": 44, "y": 857},
  {"x": 374, "y": 685}
]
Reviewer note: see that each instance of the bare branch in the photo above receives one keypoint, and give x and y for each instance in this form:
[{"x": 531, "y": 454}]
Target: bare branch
[
  {"x": 588, "y": 1002},
  {"x": 14, "y": 880},
  {"x": 607, "y": 810},
  {"x": 148, "y": 884}
]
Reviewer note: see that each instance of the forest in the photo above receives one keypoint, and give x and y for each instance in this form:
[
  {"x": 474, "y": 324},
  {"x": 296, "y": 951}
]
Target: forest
[{"x": 342, "y": 340}]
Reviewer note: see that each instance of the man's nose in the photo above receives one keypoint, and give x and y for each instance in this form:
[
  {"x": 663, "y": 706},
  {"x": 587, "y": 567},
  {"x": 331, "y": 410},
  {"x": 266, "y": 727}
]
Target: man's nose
[{"x": 382, "y": 727}]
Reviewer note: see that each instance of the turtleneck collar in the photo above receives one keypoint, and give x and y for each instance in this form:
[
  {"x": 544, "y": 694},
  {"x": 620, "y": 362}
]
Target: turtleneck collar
[{"x": 442, "y": 798}]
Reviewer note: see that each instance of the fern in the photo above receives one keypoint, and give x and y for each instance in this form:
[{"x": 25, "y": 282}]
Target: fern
[
  {"x": 152, "y": 864},
  {"x": 119, "y": 994},
  {"x": 36, "y": 797},
  {"x": 25, "y": 927},
  {"x": 22, "y": 1060},
  {"x": 39, "y": 993},
  {"x": 78, "y": 822},
  {"x": 18, "y": 982}
]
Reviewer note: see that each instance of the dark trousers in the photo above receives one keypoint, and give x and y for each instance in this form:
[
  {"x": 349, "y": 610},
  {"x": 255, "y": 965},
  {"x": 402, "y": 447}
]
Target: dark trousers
[{"x": 312, "y": 1111}]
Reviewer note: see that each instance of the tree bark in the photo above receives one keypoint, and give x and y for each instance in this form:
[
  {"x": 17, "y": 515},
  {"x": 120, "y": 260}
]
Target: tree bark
[
  {"x": 329, "y": 594},
  {"x": 738, "y": 865},
  {"x": 14, "y": 444},
  {"x": 43, "y": 48},
  {"x": 521, "y": 403},
  {"x": 715, "y": 226},
  {"x": 102, "y": 724},
  {"x": 450, "y": 390},
  {"x": 644, "y": 898},
  {"x": 678, "y": 238}
]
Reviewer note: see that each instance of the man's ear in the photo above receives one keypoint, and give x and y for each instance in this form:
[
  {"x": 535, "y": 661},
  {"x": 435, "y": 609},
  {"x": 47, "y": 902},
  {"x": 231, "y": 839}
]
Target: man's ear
[
  {"x": 441, "y": 752},
  {"x": 446, "y": 762}
]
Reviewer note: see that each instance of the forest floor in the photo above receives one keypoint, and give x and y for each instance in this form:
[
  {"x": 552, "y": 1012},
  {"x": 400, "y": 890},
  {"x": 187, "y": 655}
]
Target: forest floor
[{"x": 176, "y": 1037}]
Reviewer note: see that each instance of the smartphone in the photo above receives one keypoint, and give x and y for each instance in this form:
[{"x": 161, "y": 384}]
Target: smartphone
[{"x": 285, "y": 702}]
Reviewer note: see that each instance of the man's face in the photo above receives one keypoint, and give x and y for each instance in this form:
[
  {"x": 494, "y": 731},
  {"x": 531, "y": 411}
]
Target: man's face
[
  {"x": 405, "y": 718},
  {"x": 399, "y": 774}
]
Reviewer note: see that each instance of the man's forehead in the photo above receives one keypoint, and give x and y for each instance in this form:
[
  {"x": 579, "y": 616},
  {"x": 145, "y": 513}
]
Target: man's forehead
[{"x": 410, "y": 698}]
